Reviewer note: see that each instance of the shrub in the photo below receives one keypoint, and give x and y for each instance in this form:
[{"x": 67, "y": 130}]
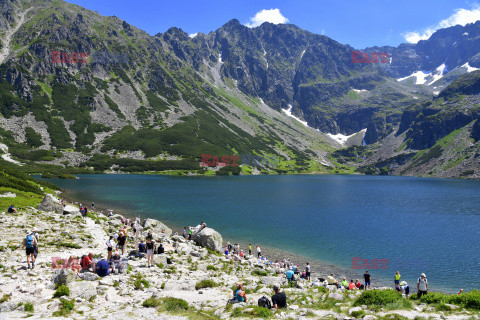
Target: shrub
[
  {"x": 174, "y": 304},
  {"x": 139, "y": 281},
  {"x": 151, "y": 302},
  {"x": 62, "y": 290},
  {"x": 358, "y": 314},
  {"x": 322, "y": 289},
  {"x": 66, "y": 307},
  {"x": 5, "y": 297},
  {"x": 378, "y": 297},
  {"x": 205, "y": 284},
  {"x": 255, "y": 311},
  {"x": 210, "y": 267},
  {"x": 469, "y": 300},
  {"x": 442, "y": 307},
  {"x": 259, "y": 273},
  {"x": 28, "y": 307}
]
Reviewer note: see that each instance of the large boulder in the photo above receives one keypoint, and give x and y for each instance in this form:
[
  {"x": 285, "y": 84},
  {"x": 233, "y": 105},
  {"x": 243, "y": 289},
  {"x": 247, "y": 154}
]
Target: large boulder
[
  {"x": 160, "y": 258},
  {"x": 88, "y": 276},
  {"x": 208, "y": 238},
  {"x": 63, "y": 276},
  {"x": 50, "y": 203},
  {"x": 83, "y": 289},
  {"x": 68, "y": 209},
  {"x": 270, "y": 281},
  {"x": 157, "y": 227}
]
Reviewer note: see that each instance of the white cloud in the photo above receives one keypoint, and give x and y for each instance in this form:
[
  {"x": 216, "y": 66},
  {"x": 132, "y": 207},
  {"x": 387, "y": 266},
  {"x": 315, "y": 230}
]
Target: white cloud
[
  {"x": 273, "y": 15},
  {"x": 193, "y": 35},
  {"x": 461, "y": 17}
]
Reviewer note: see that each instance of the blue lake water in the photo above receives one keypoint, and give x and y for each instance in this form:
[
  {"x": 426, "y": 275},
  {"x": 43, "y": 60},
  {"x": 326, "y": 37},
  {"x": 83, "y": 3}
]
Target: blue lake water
[{"x": 418, "y": 225}]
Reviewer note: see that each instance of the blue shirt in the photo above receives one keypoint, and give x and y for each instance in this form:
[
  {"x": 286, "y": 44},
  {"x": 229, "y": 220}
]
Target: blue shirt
[
  {"x": 290, "y": 274},
  {"x": 103, "y": 268}
]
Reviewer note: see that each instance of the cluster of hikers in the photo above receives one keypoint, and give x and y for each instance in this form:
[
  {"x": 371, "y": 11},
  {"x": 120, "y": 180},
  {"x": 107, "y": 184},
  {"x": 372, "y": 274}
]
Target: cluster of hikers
[{"x": 147, "y": 247}]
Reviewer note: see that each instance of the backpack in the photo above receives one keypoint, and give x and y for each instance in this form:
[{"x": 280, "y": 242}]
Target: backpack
[
  {"x": 29, "y": 241},
  {"x": 264, "y": 302},
  {"x": 81, "y": 260}
]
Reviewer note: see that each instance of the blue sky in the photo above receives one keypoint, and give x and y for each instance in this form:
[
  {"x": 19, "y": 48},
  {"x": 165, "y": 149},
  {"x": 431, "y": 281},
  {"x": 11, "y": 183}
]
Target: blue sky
[{"x": 360, "y": 23}]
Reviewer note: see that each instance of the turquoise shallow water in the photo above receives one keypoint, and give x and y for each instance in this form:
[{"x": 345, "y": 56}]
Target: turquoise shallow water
[{"x": 418, "y": 225}]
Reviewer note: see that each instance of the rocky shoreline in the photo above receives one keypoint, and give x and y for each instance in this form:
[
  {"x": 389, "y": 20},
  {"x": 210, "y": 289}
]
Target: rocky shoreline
[{"x": 196, "y": 285}]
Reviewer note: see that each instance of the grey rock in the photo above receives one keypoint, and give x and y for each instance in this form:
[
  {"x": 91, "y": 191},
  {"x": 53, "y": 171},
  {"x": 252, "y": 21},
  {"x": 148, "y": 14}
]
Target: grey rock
[
  {"x": 270, "y": 281},
  {"x": 89, "y": 276},
  {"x": 157, "y": 227},
  {"x": 8, "y": 195},
  {"x": 68, "y": 209},
  {"x": 84, "y": 290},
  {"x": 63, "y": 276},
  {"x": 160, "y": 258},
  {"x": 50, "y": 203},
  {"x": 209, "y": 238},
  {"x": 336, "y": 296}
]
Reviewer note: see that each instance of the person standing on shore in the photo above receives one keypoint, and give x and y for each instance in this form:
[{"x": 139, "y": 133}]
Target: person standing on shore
[
  {"x": 307, "y": 271},
  {"x": 250, "y": 249},
  {"x": 422, "y": 285},
  {"x": 190, "y": 232},
  {"x": 397, "y": 279},
  {"x": 184, "y": 234},
  {"x": 259, "y": 252},
  {"x": 368, "y": 279}
]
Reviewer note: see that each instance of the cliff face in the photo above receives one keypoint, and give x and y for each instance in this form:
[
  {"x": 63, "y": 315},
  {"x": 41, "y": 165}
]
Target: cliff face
[{"x": 97, "y": 87}]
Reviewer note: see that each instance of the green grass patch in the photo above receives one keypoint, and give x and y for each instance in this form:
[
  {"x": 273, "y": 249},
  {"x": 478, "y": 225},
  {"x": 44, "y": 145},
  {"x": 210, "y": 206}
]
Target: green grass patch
[{"x": 205, "y": 284}]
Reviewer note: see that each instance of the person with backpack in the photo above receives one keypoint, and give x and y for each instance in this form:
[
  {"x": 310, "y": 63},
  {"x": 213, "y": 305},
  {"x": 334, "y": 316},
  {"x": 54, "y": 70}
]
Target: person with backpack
[
  {"x": 150, "y": 249},
  {"x": 422, "y": 285},
  {"x": 86, "y": 261},
  {"x": 29, "y": 244},
  {"x": 35, "y": 247},
  {"x": 279, "y": 299}
]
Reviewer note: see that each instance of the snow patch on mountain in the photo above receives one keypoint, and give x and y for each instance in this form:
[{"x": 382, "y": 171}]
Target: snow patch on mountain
[
  {"x": 427, "y": 78},
  {"x": 288, "y": 112},
  {"x": 342, "y": 139},
  {"x": 359, "y": 90},
  {"x": 469, "y": 68}
]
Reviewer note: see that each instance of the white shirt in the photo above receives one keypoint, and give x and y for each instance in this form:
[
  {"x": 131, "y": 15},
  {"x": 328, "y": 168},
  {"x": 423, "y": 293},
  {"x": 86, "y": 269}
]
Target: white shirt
[
  {"x": 422, "y": 284},
  {"x": 109, "y": 243},
  {"x": 258, "y": 249}
]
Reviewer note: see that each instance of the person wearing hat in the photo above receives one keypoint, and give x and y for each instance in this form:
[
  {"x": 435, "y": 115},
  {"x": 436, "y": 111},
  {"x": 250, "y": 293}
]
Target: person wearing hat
[
  {"x": 279, "y": 299},
  {"x": 422, "y": 285},
  {"x": 403, "y": 288}
]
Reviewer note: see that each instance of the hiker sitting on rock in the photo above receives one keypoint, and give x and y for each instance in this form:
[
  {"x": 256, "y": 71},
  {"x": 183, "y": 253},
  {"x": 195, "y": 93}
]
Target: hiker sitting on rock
[
  {"x": 102, "y": 268},
  {"x": 87, "y": 262},
  {"x": 279, "y": 299},
  {"x": 238, "y": 294},
  {"x": 12, "y": 209},
  {"x": 332, "y": 281}
]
